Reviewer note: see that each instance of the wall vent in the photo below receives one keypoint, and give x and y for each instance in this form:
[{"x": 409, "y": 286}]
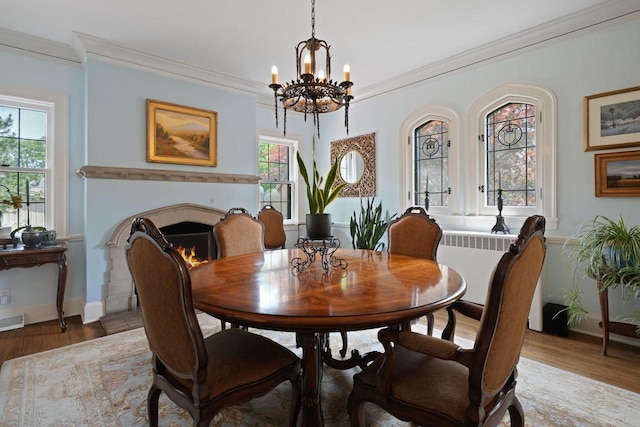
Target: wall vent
[{"x": 12, "y": 322}]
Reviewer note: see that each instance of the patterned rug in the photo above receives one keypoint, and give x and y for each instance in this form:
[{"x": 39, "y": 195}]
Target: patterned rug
[{"x": 104, "y": 382}]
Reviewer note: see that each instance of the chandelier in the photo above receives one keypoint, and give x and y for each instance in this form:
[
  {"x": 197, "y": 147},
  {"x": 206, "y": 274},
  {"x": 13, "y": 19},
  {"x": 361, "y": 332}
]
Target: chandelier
[{"x": 312, "y": 92}]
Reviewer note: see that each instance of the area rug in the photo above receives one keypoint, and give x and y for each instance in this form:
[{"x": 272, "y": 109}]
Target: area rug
[{"x": 104, "y": 382}]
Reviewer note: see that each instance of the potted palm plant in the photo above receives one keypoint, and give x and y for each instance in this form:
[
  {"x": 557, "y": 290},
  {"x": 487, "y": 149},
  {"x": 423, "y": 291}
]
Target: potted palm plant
[
  {"x": 608, "y": 251},
  {"x": 319, "y": 195}
]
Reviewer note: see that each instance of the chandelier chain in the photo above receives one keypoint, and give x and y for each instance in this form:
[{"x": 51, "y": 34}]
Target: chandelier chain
[{"x": 313, "y": 18}]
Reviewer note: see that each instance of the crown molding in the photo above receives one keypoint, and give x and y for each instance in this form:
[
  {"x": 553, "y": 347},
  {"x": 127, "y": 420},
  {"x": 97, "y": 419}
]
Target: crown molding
[
  {"x": 37, "y": 47},
  {"x": 596, "y": 17},
  {"x": 87, "y": 46}
]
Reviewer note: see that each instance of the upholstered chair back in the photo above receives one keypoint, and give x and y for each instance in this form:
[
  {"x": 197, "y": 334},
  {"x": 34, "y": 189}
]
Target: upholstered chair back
[
  {"x": 273, "y": 221},
  {"x": 414, "y": 234},
  {"x": 238, "y": 233}
]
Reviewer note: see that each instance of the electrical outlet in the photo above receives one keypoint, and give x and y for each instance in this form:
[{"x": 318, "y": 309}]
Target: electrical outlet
[{"x": 4, "y": 296}]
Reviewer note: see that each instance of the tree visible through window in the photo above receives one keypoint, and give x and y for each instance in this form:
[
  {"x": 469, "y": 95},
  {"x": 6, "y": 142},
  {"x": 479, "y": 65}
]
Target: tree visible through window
[
  {"x": 511, "y": 155},
  {"x": 431, "y": 145},
  {"x": 23, "y": 164},
  {"x": 275, "y": 163}
]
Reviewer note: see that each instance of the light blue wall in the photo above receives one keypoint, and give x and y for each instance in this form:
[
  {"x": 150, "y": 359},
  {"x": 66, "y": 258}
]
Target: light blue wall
[
  {"x": 36, "y": 286},
  {"x": 590, "y": 63},
  {"x": 107, "y": 127},
  {"x": 116, "y": 135}
]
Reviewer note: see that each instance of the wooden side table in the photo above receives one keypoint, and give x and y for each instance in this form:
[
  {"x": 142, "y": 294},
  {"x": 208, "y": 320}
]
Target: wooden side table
[
  {"x": 609, "y": 326},
  {"x": 19, "y": 256}
]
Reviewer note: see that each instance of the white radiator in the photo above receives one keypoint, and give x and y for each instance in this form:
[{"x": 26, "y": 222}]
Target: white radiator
[{"x": 475, "y": 256}]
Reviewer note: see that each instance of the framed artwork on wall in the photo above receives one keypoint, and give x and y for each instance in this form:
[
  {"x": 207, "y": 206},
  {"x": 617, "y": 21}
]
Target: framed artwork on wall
[
  {"x": 618, "y": 174},
  {"x": 181, "y": 135},
  {"x": 357, "y": 158},
  {"x": 612, "y": 119}
]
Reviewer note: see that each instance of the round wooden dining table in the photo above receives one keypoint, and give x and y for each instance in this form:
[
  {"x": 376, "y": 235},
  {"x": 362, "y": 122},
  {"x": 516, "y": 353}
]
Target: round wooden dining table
[{"x": 375, "y": 289}]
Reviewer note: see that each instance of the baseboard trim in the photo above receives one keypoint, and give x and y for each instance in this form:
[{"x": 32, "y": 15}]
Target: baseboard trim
[
  {"x": 37, "y": 313},
  {"x": 93, "y": 311},
  {"x": 589, "y": 326}
]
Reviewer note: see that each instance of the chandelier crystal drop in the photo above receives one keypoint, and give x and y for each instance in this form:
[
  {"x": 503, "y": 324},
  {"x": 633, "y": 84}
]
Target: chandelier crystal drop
[{"x": 313, "y": 91}]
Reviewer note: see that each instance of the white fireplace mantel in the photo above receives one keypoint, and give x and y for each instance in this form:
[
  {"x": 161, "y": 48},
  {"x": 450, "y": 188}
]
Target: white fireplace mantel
[{"x": 109, "y": 172}]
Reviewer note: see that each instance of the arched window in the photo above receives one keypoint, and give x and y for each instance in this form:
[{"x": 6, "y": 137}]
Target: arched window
[
  {"x": 431, "y": 159},
  {"x": 510, "y": 145},
  {"x": 431, "y": 145},
  {"x": 515, "y": 129}
]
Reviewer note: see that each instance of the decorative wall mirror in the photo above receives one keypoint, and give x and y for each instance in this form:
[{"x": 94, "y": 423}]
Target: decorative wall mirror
[{"x": 357, "y": 159}]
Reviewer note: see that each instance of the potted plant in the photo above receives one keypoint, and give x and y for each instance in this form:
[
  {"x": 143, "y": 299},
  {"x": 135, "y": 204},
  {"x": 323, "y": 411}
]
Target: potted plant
[
  {"x": 15, "y": 202},
  {"x": 368, "y": 227},
  {"x": 608, "y": 251},
  {"x": 319, "y": 195}
]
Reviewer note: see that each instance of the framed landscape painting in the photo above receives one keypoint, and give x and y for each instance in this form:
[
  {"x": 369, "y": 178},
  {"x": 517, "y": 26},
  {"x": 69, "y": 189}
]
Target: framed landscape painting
[
  {"x": 181, "y": 135},
  {"x": 618, "y": 174},
  {"x": 612, "y": 119}
]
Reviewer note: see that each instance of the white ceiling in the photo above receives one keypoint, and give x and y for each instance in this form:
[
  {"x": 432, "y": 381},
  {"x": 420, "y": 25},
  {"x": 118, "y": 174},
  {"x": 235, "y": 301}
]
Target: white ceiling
[{"x": 380, "y": 39}]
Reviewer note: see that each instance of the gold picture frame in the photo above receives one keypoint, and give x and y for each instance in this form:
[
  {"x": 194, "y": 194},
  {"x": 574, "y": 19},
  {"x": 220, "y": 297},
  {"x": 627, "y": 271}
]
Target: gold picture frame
[
  {"x": 611, "y": 120},
  {"x": 618, "y": 174},
  {"x": 181, "y": 135}
]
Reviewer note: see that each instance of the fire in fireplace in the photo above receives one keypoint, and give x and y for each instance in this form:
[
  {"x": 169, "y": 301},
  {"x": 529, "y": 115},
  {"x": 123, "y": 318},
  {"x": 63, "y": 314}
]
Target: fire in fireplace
[{"x": 193, "y": 240}]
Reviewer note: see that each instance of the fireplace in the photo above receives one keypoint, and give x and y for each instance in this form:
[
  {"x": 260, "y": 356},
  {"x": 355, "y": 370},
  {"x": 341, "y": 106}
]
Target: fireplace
[
  {"x": 194, "y": 238},
  {"x": 196, "y": 221}
]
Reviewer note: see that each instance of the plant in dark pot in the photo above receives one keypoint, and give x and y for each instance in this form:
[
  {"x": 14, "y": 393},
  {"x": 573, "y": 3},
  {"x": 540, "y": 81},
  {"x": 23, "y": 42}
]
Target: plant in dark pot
[
  {"x": 319, "y": 195},
  {"x": 609, "y": 252},
  {"x": 369, "y": 226}
]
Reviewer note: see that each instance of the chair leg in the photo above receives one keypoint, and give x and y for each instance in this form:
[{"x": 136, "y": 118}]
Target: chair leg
[
  {"x": 516, "y": 414},
  {"x": 296, "y": 401},
  {"x": 450, "y": 330},
  {"x": 345, "y": 344},
  {"x": 152, "y": 405},
  {"x": 430, "y": 322},
  {"x": 355, "y": 408}
]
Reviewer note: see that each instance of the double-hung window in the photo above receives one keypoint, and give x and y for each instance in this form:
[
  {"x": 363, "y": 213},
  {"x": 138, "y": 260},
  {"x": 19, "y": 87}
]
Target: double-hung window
[
  {"x": 276, "y": 158},
  {"x": 33, "y": 160}
]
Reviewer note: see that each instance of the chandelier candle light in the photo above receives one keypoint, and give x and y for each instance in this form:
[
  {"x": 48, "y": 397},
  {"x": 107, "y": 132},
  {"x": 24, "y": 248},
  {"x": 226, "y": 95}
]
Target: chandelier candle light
[{"x": 313, "y": 91}]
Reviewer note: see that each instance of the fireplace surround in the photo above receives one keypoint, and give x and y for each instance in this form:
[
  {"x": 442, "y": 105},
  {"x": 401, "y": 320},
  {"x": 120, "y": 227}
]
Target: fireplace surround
[{"x": 120, "y": 293}]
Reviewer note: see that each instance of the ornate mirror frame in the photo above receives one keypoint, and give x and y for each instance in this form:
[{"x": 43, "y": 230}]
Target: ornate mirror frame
[{"x": 364, "y": 145}]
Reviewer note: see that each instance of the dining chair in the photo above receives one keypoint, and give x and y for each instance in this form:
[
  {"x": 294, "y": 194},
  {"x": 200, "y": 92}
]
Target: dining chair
[
  {"x": 274, "y": 235},
  {"x": 415, "y": 234},
  {"x": 238, "y": 233},
  {"x": 433, "y": 381},
  {"x": 201, "y": 375}
]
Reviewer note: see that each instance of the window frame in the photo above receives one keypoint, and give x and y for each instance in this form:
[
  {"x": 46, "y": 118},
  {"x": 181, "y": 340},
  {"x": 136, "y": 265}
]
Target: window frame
[
  {"x": 545, "y": 102},
  {"x": 407, "y": 186},
  {"x": 56, "y": 170},
  {"x": 293, "y": 143}
]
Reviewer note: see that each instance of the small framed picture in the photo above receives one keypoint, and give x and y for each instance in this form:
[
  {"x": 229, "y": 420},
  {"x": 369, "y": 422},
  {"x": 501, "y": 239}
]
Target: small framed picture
[
  {"x": 181, "y": 135},
  {"x": 618, "y": 174},
  {"x": 612, "y": 119}
]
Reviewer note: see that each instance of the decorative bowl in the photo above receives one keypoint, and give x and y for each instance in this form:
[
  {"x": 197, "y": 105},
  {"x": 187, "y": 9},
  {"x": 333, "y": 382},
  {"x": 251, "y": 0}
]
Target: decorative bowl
[
  {"x": 31, "y": 238},
  {"x": 49, "y": 238}
]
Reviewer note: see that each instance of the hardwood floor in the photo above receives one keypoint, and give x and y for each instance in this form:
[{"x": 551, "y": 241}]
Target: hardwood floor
[{"x": 578, "y": 353}]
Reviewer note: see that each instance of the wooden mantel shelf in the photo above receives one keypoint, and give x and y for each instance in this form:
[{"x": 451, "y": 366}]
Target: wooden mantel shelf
[{"x": 108, "y": 172}]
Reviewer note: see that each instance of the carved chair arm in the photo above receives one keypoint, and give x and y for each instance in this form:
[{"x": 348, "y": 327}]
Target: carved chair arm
[{"x": 466, "y": 308}]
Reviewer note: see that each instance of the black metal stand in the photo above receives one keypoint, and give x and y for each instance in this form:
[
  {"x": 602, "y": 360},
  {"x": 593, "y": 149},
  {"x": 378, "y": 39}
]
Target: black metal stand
[
  {"x": 326, "y": 247},
  {"x": 500, "y": 225}
]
